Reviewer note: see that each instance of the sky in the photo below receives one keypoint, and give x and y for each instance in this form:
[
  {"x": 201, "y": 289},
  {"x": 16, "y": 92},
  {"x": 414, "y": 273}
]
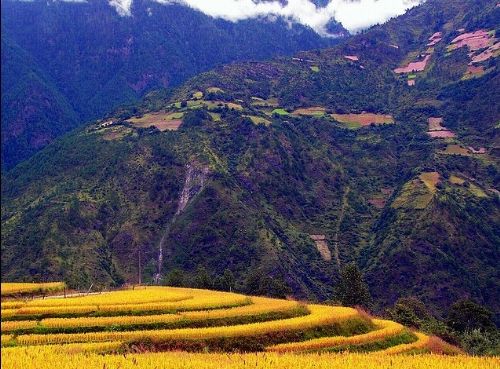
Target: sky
[{"x": 354, "y": 15}]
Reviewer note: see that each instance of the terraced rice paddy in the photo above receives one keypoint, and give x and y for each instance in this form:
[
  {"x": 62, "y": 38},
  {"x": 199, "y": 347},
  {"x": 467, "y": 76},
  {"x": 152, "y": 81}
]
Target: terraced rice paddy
[
  {"x": 103, "y": 331},
  {"x": 363, "y": 119},
  {"x": 12, "y": 289}
]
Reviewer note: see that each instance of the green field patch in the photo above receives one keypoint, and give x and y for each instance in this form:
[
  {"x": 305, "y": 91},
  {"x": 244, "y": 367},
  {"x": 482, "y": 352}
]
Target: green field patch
[
  {"x": 412, "y": 76},
  {"x": 456, "y": 180},
  {"x": 455, "y": 150},
  {"x": 164, "y": 121},
  {"x": 215, "y": 116},
  {"x": 414, "y": 195},
  {"x": 280, "y": 111},
  {"x": 315, "y": 68},
  {"x": 115, "y": 133},
  {"x": 234, "y": 106},
  {"x": 198, "y": 95},
  {"x": 352, "y": 125},
  {"x": 271, "y": 102},
  {"x": 477, "y": 191},
  {"x": 473, "y": 188},
  {"x": 258, "y": 120},
  {"x": 214, "y": 90}
]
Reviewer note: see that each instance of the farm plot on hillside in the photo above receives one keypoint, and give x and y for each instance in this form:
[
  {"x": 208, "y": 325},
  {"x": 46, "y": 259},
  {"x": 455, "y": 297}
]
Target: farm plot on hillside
[
  {"x": 163, "y": 121},
  {"x": 363, "y": 119}
]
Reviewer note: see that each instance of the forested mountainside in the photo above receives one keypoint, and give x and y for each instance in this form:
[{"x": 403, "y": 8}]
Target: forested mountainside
[
  {"x": 65, "y": 63},
  {"x": 381, "y": 151}
]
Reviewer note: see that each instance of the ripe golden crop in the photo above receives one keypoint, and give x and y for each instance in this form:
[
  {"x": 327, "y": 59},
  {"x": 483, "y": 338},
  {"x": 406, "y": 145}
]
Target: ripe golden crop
[
  {"x": 126, "y": 297},
  {"x": 144, "y": 306},
  {"x": 18, "y": 288},
  {"x": 55, "y": 357},
  {"x": 120, "y": 301},
  {"x": 260, "y": 305},
  {"x": 387, "y": 329},
  {"x": 320, "y": 316}
]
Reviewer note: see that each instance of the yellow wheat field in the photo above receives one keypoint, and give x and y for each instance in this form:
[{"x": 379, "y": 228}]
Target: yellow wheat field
[
  {"x": 43, "y": 357},
  {"x": 386, "y": 329}
]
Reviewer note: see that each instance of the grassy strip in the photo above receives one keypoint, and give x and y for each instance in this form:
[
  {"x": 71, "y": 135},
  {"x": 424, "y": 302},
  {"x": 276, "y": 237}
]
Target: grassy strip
[
  {"x": 421, "y": 343},
  {"x": 404, "y": 338}
]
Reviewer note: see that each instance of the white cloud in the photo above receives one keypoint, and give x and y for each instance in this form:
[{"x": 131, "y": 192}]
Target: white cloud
[
  {"x": 353, "y": 14},
  {"x": 123, "y": 7}
]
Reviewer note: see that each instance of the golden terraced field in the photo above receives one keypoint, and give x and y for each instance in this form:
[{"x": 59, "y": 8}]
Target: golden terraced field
[{"x": 140, "y": 327}]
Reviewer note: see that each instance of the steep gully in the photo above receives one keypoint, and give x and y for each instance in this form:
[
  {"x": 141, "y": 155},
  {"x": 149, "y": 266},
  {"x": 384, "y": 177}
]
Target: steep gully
[{"x": 194, "y": 183}]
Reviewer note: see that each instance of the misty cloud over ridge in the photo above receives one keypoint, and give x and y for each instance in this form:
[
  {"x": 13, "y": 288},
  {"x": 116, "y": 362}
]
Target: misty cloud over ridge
[{"x": 353, "y": 14}]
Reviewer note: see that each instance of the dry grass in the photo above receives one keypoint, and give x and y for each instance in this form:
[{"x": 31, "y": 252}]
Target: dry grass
[
  {"x": 314, "y": 111},
  {"x": 258, "y": 120},
  {"x": 435, "y": 124},
  {"x": 456, "y": 150},
  {"x": 456, "y": 180},
  {"x": 430, "y": 179}
]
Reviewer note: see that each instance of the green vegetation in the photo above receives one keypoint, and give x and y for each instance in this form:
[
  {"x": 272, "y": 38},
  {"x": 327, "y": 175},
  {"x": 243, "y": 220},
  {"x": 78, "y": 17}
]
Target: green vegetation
[
  {"x": 49, "y": 86},
  {"x": 244, "y": 198},
  {"x": 351, "y": 290},
  {"x": 280, "y": 111}
]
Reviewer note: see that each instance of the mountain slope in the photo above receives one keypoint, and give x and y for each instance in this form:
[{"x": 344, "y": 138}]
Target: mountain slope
[
  {"x": 96, "y": 60},
  {"x": 274, "y": 160}
]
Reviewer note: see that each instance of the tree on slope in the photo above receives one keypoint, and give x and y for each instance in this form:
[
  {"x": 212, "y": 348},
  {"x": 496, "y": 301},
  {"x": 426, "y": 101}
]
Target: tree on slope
[{"x": 351, "y": 289}]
